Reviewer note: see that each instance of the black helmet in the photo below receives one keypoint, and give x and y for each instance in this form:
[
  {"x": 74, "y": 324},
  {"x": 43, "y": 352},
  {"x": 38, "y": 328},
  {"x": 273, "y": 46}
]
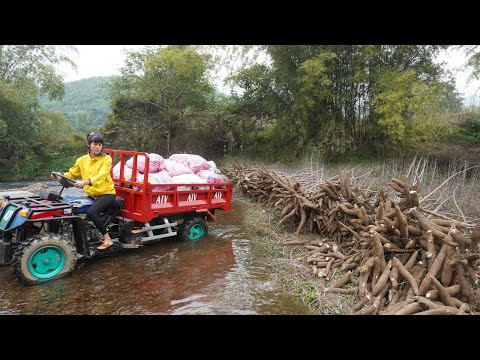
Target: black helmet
[{"x": 95, "y": 138}]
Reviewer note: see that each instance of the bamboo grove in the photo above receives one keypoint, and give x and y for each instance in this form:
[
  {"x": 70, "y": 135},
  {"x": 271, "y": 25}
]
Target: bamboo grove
[{"x": 345, "y": 100}]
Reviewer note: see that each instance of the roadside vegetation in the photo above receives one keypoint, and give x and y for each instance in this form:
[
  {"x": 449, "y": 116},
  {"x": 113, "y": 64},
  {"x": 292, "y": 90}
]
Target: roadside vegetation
[
  {"x": 295, "y": 278},
  {"x": 345, "y": 103}
]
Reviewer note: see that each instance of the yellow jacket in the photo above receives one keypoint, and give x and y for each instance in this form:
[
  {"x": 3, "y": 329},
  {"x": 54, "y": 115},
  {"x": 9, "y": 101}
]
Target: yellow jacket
[{"x": 97, "y": 170}]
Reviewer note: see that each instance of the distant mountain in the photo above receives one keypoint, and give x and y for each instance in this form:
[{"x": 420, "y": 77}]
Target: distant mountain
[{"x": 85, "y": 103}]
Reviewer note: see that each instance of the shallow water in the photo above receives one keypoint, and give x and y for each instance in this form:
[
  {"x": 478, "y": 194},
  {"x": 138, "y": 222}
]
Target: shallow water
[{"x": 218, "y": 274}]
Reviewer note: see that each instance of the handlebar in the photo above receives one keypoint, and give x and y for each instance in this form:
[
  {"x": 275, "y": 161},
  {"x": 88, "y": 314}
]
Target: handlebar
[{"x": 63, "y": 180}]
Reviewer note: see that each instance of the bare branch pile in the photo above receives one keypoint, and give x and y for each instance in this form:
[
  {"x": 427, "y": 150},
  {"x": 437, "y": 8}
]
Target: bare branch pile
[{"x": 396, "y": 259}]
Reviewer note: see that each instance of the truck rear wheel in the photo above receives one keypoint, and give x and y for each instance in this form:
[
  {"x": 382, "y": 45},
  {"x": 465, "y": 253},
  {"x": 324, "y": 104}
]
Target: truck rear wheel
[
  {"x": 193, "y": 229},
  {"x": 43, "y": 258}
]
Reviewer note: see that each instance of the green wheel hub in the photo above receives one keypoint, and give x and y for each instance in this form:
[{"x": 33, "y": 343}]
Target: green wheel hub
[
  {"x": 47, "y": 262},
  {"x": 196, "y": 232}
]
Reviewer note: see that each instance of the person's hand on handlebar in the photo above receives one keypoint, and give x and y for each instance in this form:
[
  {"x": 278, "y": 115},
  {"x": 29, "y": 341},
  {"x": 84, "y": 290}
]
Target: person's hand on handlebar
[{"x": 81, "y": 184}]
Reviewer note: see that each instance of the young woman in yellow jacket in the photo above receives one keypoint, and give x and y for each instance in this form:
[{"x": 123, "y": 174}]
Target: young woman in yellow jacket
[{"x": 94, "y": 169}]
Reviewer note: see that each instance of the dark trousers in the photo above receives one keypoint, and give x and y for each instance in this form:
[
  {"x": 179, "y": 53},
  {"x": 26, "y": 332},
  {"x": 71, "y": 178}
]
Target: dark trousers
[{"x": 100, "y": 205}]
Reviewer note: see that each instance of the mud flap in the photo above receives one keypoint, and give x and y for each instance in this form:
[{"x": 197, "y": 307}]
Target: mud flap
[
  {"x": 208, "y": 214},
  {"x": 5, "y": 253}
]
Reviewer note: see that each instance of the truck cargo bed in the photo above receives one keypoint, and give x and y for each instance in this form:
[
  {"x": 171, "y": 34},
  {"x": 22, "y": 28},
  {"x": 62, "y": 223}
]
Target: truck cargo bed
[{"x": 144, "y": 202}]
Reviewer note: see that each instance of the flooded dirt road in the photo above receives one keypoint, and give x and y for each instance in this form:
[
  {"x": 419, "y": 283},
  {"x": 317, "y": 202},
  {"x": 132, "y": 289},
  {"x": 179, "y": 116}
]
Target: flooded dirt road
[{"x": 216, "y": 275}]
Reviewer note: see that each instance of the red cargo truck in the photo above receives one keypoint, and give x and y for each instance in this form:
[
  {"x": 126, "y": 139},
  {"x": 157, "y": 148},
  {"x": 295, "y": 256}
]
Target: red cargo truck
[{"x": 42, "y": 236}]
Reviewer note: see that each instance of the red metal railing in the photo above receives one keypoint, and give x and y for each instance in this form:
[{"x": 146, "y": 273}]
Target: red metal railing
[{"x": 144, "y": 202}]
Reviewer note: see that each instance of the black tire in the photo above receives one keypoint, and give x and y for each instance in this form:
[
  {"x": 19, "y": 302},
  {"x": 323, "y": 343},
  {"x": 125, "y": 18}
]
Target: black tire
[
  {"x": 67, "y": 232},
  {"x": 193, "y": 229},
  {"x": 57, "y": 253}
]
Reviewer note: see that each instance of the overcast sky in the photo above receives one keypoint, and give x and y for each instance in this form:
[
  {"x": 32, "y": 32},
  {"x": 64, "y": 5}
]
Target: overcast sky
[
  {"x": 456, "y": 61},
  {"x": 105, "y": 60},
  {"x": 97, "y": 60}
]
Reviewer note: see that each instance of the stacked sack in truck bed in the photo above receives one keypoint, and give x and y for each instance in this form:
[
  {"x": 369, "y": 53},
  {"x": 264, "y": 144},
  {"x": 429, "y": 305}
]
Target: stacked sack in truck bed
[{"x": 178, "y": 169}]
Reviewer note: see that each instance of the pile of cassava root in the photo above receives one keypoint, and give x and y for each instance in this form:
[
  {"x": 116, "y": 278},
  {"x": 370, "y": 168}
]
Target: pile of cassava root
[{"x": 395, "y": 256}]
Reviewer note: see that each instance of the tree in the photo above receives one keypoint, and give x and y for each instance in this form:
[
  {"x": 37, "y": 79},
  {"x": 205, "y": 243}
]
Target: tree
[
  {"x": 473, "y": 59},
  {"x": 25, "y": 72},
  {"x": 159, "y": 88},
  {"x": 324, "y": 94},
  {"x": 37, "y": 64},
  {"x": 407, "y": 108}
]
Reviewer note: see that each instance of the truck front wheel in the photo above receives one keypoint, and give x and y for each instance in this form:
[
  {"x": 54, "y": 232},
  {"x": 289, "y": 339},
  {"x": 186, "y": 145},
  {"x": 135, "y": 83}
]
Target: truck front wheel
[
  {"x": 42, "y": 258},
  {"x": 193, "y": 229}
]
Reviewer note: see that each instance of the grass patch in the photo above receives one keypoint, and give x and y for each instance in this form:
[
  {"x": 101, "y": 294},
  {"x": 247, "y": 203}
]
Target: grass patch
[{"x": 295, "y": 277}]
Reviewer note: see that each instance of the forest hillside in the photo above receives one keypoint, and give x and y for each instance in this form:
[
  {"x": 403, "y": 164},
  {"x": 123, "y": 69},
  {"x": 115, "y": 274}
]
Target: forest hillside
[{"x": 85, "y": 103}]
